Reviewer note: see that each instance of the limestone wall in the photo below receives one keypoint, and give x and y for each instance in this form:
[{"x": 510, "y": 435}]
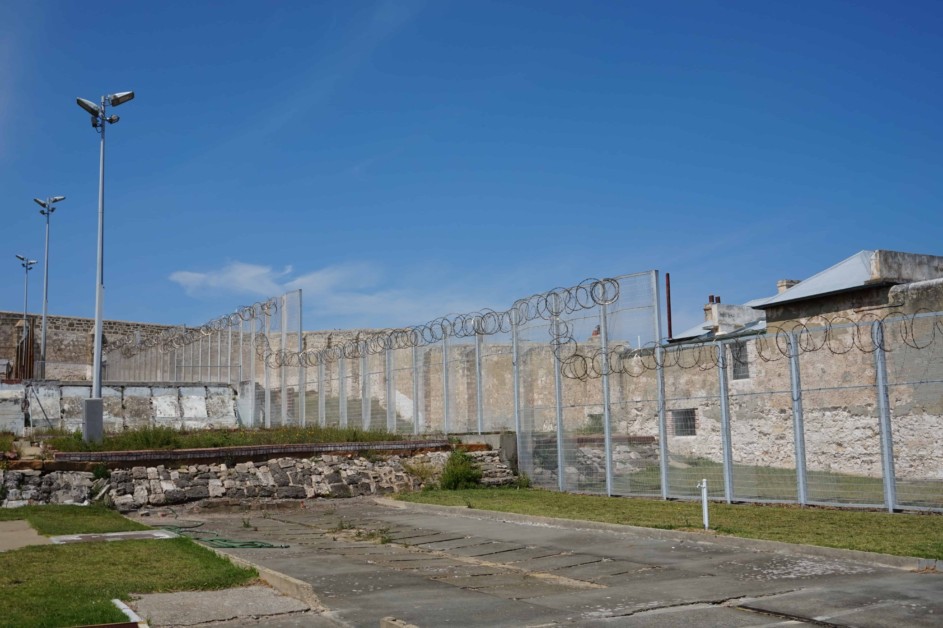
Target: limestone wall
[{"x": 69, "y": 341}]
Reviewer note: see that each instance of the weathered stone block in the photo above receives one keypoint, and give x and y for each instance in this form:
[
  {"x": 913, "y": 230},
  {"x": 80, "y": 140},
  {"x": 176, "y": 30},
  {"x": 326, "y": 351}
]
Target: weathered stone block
[
  {"x": 339, "y": 489},
  {"x": 290, "y": 492}
]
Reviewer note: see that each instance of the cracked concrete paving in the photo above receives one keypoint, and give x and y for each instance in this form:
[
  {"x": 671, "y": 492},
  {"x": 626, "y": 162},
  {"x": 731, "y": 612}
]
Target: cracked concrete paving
[{"x": 367, "y": 559}]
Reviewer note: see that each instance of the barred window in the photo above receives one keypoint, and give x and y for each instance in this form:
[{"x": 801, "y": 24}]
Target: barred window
[
  {"x": 684, "y": 422},
  {"x": 740, "y": 358}
]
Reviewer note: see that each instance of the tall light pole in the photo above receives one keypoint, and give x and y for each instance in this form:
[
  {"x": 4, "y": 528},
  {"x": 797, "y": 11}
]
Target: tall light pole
[
  {"x": 48, "y": 207},
  {"x": 27, "y": 264},
  {"x": 93, "y": 427}
]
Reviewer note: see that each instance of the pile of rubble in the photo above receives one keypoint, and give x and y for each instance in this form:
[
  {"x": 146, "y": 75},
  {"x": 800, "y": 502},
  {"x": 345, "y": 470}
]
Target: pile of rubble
[{"x": 281, "y": 478}]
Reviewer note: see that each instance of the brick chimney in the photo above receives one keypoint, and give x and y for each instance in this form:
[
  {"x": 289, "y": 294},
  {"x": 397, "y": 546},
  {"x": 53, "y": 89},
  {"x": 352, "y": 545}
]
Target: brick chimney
[
  {"x": 785, "y": 284},
  {"x": 709, "y": 309}
]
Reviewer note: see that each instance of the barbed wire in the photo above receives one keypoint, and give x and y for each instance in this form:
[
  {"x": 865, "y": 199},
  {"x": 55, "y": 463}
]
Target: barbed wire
[
  {"x": 548, "y": 306},
  {"x": 838, "y": 335},
  {"x": 178, "y": 337}
]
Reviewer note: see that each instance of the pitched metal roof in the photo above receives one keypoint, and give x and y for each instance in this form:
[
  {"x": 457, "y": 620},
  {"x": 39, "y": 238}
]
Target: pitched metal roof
[{"x": 848, "y": 274}]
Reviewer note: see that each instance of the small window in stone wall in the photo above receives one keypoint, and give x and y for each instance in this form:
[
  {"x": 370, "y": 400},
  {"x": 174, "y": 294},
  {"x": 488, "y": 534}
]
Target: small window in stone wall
[
  {"x": 740, "y": 360},
  {"x": 684, "y": 422}
]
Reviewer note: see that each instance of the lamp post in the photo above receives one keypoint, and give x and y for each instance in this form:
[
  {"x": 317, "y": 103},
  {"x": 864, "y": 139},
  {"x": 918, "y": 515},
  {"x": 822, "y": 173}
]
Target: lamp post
[
  {"x": 48, "y": 207},
  {"x": 92, "y": 422},
  {"x": 27, "y": 264}
]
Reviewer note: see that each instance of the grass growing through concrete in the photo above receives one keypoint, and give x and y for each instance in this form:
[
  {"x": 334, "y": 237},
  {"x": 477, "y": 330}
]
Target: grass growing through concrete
[
  {"x": 53, "y": 520},
  {"x": 899, "y": 534},
  {"x": 69, "y": 585},
  {"x": 168, "y": 438}
]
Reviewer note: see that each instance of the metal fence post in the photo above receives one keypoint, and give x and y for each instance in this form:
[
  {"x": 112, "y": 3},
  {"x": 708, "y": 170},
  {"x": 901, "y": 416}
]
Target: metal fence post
[
  {"x": 516, "y": 387},
  {"x": 241, "y": 352},
  {"x": 663, "y": 452},
  {"x": 229, "y": 354},
  {"x": 558, "y": 399},
  {"x": 725, "y": 421},
  {"x": 219, "y": 356},
  {"x": 390, "y": 393},
  {"x": 322, "y": 396},
  {"x": 418, "y": 426},
  {"x": 606, "y": 412},
  {"x": 884, "y": 408},
  {"x": 342, "y": 392},
  {"x": 365, "y": 405},
  {"x": 283, "y": 368},
  {"x": 798, "y": 422},
  {"x": 478, "y": 383},
  {"x": 267, "y": 330},
  {"x": 445, "y": 383},
  {"x": 252, "y": 323},
  {"x": 659, "y": 353},
  {"x": 302, "y": 374}
]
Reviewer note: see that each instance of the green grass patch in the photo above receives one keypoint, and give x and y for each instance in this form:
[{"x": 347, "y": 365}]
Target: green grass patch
[
  {"x": 6, "y": 441},
  {"x": 69, "y": 585},
  {"x": 168, "y": 438},
  {"x": 55, "y": 519},
  {"x": 911, "y": 534}
]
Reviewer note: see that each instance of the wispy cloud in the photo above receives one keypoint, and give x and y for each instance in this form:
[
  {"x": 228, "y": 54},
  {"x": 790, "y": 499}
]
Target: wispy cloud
[
  {"x": 235, "y": 278},
  {"x": 349, "y": 295}
]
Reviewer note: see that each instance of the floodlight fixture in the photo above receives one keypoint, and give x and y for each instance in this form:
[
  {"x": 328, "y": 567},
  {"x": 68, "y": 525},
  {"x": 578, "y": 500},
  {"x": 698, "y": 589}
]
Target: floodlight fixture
[
  {"x": 120, "y": 98},
  {"x": 112, "y": 119},
  {"x": 48, "y": 207},
  {"x": 89, "y": 106},
  {"x": 27, "y": 264}
]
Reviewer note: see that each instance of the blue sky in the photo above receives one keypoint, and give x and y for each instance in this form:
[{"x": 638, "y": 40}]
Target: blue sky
[{"x": 401, "y": 160}]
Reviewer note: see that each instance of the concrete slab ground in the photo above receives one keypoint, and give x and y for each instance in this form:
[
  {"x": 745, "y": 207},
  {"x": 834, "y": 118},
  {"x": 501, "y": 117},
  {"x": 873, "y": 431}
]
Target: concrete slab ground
[
  {"x": 17, "y": 534},
  {"x": 255, "y": 603},
  {"x": 368, "y": 559}
]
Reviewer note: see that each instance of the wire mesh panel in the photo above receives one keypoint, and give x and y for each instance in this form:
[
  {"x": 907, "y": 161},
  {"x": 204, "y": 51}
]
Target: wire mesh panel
[
  {"x": 635, "y": 434},
  {"x": 462, "y": 385},
  {"x": 693, "y": 421},
  {"x": 376, "y": 401},
  {"x": 538, "y": 404},
  {"x": 915, "y": 377},
  {"x": 292, "y": 371},
  {"x": 842, "y": 431},
  {"x": 275, "y": 385},
  {"x": 406, "y": 400},
  {"x": 353, "y": 388},
  {"x": 761, "y": 419},
  {"x": 497, "y": 378},
  {"x": 249, "y": 394},
  {"x": 334, "y": 380},
  {"x": 633, "y": 397},
  {"x": 581, "y": 397},
  {"x": 431, "y": 379}
]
